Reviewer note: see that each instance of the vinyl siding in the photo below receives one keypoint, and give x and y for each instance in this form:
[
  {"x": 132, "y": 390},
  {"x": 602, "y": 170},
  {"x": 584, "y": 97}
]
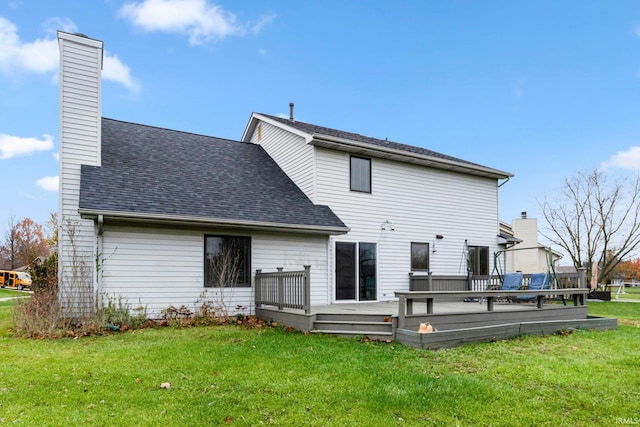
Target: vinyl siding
[
  {"x": 80, "y": 67},
  {"x": 294, "y": 156},
  {"x": 158, "y": 267},
  {"x": 421, "y": 202}
]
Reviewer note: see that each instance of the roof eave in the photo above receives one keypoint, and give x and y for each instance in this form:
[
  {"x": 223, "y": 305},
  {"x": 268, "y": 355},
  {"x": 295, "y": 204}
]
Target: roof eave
[
  {"x": 215, "y": 222},
  {"x": 348, "y": 145},
  {"x": 257, "y": 117}
]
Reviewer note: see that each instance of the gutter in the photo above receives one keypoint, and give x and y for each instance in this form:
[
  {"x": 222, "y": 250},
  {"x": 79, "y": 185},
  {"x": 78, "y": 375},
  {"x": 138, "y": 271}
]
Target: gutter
[
  {"x": 214, "y": 222},
  {"x": 318, "y": 139}
]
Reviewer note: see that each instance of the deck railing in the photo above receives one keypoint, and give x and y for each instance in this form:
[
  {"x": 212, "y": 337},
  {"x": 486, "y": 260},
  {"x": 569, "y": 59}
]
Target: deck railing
[
  {"x": 430, "y": 282},
  {"x": 284, "y": 289}
]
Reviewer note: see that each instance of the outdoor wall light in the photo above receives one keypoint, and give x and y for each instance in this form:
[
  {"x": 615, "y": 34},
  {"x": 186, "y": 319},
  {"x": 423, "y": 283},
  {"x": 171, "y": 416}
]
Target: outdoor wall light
[
  {"x": 435, "y": 242},
  {"x": 388, "y": 225}
]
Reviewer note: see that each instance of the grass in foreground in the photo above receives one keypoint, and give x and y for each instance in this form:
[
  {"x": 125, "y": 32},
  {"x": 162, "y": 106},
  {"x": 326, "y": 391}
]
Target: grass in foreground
[{"x": 231, "y": 376}]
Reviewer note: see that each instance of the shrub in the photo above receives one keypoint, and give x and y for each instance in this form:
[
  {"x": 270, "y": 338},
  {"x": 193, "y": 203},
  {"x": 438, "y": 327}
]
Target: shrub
[
  {"x": 39, "y": 316},
  {"x": 45, "y": 274}
]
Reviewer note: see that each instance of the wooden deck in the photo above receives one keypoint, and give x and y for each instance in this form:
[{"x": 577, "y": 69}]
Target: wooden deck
[{"x": 454, "y": 323}]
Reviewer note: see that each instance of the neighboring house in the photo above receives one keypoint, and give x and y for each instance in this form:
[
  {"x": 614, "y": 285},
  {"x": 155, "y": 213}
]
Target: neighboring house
[
  {"x": 529, "y": 256},
  {"x": 506, "y": 237},
  {"x": 144, "y": 209}
]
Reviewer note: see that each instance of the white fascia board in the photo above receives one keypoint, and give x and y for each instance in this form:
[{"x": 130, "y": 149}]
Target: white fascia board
[
  {"x": 257, "y": 117},
  {"x": 248, "y": 130},
  {"x": 217, "y": 222}
]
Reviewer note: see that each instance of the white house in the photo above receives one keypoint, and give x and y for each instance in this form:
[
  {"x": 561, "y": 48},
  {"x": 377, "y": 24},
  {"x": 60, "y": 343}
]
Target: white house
[
  {"x": 529, "y": 256},
  {"x": 143, "y": 208},
  {"x": 407, "y": 208}
]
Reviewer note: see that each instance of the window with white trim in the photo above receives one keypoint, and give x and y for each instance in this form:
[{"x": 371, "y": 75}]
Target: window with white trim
[
  {"x": 360, "y": 174},
  {"x": 227, "y": 261}
]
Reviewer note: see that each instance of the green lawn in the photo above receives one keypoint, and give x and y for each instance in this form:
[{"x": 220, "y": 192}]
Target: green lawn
[
  {"x": 233, "y": 376},
  {"x": 8, "y": 293},
  {"x": 629, "y": 294}
]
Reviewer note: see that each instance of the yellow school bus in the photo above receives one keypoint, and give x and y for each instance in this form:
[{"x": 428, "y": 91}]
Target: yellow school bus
[{"x": 14, "y": 279}]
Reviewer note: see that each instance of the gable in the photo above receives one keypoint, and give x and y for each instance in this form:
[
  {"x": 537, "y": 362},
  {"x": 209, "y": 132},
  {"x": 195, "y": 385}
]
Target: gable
[{"x": 367, "y": 146}]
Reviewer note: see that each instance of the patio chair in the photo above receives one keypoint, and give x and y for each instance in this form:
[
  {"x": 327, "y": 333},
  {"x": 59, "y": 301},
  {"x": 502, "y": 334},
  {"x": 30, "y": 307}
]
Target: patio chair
[
  {"x": 539, "y": 281},
  {"x": 511, "y": 282}
]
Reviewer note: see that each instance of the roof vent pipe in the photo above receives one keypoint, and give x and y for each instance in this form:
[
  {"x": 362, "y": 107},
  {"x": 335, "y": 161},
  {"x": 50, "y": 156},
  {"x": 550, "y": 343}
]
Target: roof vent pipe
[{"x": 291, "y": 111}]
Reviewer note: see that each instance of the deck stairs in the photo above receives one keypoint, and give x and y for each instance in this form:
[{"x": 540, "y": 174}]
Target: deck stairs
[{"x": 351, "y": 325}]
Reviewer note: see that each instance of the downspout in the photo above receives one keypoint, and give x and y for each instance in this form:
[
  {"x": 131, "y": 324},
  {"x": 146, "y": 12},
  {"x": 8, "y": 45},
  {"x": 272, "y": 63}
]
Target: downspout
[{"x": 505, "y": 181}]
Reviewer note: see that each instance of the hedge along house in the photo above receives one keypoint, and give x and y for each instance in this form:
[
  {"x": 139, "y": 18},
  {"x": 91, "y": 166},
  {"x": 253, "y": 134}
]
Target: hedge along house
[{"x": 143, "y": 209}]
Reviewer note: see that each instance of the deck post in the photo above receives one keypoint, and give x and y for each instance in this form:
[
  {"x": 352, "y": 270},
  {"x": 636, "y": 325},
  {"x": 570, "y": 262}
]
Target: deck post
[
  {"x": 280, "y": 289},
  {"x": 540, "y": 301},
  {"x": 489, "y": 303},
  {"x": 307, "y": 289},
  {"x": 258, "y": 296},
  {"x": 430, "y": 281},
  {"x": 402, "y": 301},
  {"x": 582, "y": 277}
]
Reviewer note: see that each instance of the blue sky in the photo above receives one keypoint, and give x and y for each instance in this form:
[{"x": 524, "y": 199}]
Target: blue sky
[{"x": 540, "y": 88}]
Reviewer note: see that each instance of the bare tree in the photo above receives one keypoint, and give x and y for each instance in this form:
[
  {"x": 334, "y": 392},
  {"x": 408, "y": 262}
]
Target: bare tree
[
  {"x": 9, "y": 248},
  {"x": 51, "y": 229},
  {"x": 595, "y": 220},
  {"x": 224, "y": 265}
]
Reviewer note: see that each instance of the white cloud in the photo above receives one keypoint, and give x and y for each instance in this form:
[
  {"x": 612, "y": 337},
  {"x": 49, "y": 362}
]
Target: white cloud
[
  {"x": 12, "y": 146},
  {"x": 113, "y": 69},
  {"x": 201, "y": 21},
  {"x": 48, "y": 183},
  {"x": 629, "y": 159},
  {"x": 52, "y": 25},
  {"x": 42, "y": 57},
  {"x": 264, "y": 21}
]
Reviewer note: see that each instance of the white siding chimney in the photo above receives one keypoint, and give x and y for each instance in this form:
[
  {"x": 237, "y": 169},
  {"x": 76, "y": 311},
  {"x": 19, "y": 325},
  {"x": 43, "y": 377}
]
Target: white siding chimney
[{"x": 80, "y": 129}]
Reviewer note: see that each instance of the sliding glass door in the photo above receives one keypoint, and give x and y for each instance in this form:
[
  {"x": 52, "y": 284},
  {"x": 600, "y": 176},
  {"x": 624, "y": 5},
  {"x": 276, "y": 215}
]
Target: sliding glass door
[{"x": 356, "y": 267}]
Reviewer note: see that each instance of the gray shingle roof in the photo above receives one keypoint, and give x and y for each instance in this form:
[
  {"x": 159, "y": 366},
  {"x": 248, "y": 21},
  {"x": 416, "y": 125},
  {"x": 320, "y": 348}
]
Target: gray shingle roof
[
  {"x": 383, "y": 143},
  {"x": 153, "y": 171}
]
